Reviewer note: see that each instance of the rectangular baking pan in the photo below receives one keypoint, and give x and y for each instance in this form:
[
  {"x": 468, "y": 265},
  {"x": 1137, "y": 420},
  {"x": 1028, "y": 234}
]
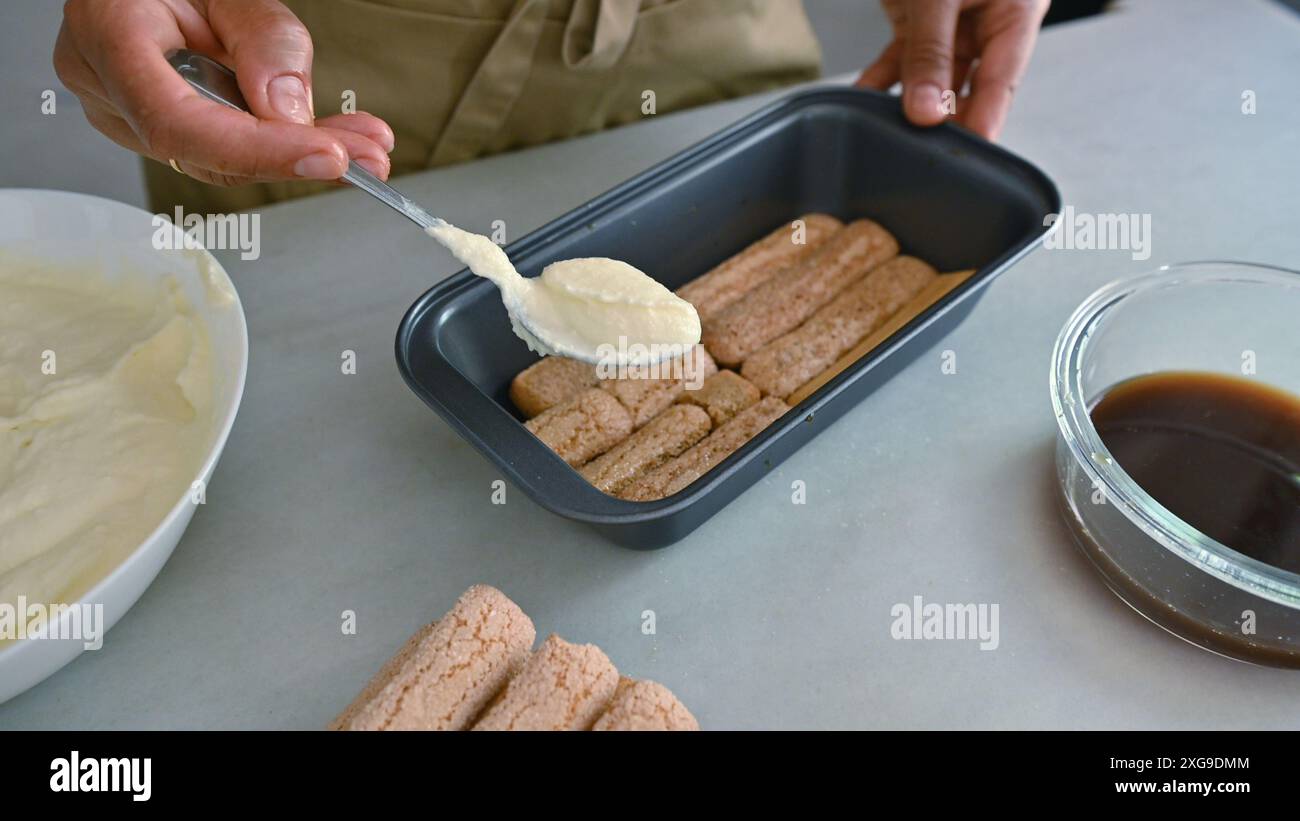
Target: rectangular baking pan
[{"x": 949, "y": 197}]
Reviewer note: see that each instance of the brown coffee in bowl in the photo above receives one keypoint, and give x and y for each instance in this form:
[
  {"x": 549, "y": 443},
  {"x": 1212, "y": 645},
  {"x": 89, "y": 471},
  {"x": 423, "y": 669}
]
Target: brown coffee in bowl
[{"x": 1222, "y": 453}]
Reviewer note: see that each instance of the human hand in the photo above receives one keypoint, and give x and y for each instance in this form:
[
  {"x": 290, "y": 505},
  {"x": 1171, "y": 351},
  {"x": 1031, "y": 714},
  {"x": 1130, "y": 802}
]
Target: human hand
[
  {"x": 110, "y": 53},
  {"x": 937, "y": 42}
]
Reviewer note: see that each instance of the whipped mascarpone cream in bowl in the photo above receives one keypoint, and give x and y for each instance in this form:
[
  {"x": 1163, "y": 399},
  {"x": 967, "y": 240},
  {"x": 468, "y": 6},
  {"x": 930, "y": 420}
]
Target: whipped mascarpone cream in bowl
[{"x": 123, "y": 354}]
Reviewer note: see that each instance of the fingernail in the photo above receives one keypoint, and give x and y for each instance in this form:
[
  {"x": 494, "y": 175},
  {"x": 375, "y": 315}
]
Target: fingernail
[
  {"x": 375, "y": 167},
  {"x": 318, "y": 167},
  {"x": 924, "y": 98},
  {"x": 289, "y": 98}
]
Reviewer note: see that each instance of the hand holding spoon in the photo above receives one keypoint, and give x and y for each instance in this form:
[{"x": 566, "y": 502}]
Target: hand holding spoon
[{"x": 595, "y": 309}]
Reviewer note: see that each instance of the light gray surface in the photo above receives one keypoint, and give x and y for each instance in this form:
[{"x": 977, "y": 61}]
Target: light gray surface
[{"x": 344, "y": 492}]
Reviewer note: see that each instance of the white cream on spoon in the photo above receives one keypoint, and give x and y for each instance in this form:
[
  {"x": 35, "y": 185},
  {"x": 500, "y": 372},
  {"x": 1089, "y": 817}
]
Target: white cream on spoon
[{"x": 580, "y": 308}]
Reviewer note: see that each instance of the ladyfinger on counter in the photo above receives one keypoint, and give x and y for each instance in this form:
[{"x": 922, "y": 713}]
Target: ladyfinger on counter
[
  {"x": 562, "y": 687},
  {"x": 789, "y": 361},
  {"x": 645, "y": 705},
  {"x": 724, "y": 395},
  {"x": 676, "y": 474},
  {"x": 449, "y": 670},
  {"x": 647, "y": 391},
  {"x": 550, "y": 381},
  {"x": 666, "y": 436},
  {"x": 583, "y": 427},
  {"x": 783, "y": 302},
  {"x": 741, "y": 273}
]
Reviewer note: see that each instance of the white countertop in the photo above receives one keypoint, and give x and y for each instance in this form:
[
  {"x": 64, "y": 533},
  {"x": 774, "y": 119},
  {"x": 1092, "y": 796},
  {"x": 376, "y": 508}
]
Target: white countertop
[{"x": 341, "y": 492}]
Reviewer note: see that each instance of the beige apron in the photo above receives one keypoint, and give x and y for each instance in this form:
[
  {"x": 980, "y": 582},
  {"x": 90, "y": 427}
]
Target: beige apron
[{"x": 459, "y": 79}]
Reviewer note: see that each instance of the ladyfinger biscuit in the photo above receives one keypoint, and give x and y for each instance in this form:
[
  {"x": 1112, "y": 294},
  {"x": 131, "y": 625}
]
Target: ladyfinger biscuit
[
  {"x": 583, "y": 427},
  {"x": 783, "y": 302},
  {"x": 724, "y": 395},
  {"x": 550, "y": 381},
  {"x": 676, "y": 474},
  {"x": 449, "y": 670},
  {"x": 562, "y": 687},
  {"x": 741, "y": 273},
  {"x": 646, "y": 391},
  {"x": 645, "y": 705},
  {"x": 666, "y": 436},
  {"x": 938, "y": 288},
  {"x": 788, "y": 361}
]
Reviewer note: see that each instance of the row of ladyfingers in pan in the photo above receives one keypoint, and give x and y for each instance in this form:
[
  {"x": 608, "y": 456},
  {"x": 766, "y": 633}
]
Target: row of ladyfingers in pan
[
  {"x": 644, "y": 439},
  {"x": 475, "y": 669},
  {"x": 778, "y": 317}
]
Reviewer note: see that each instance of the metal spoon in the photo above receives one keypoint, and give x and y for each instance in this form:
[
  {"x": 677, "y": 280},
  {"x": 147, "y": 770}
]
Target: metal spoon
[{"x": 219, "y": 84}]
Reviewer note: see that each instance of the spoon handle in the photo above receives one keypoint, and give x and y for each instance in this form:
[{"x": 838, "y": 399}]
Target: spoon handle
[
  {"x": 385, "y": 193},
  {"x": 218, "y": 83}
]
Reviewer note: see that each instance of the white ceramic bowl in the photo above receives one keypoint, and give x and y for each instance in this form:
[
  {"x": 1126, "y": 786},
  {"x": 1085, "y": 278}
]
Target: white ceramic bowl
[{"x": 62, "y": 228}]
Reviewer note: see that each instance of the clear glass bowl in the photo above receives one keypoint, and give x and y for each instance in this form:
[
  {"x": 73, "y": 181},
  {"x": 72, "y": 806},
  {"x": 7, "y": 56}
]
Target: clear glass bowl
[{"x": 1221, "y": 317}]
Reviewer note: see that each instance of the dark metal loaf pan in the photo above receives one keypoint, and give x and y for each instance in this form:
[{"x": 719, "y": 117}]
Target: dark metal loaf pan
[{"x": 950, "y": 198}]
